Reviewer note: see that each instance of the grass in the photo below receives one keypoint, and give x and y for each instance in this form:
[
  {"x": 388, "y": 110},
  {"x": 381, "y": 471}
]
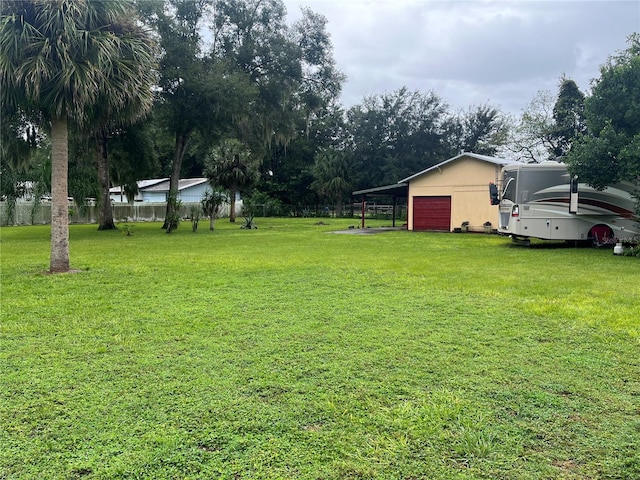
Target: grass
[{"x": 288, "y": 352}]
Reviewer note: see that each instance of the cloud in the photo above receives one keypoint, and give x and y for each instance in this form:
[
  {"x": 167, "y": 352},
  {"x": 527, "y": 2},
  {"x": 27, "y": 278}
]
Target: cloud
[{"x": 472, "y": 52}]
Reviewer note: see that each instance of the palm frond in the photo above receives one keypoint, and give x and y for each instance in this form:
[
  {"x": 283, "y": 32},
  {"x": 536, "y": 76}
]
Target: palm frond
[{"x": 67, "y": 55}]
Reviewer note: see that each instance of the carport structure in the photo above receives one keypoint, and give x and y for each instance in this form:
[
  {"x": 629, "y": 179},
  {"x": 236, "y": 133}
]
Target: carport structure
[{"x": 395, "y": 191}]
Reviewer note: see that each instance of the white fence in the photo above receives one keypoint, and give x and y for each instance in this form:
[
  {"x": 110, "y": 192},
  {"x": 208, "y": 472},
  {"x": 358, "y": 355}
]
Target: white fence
[{"x": 26, "y": 214}]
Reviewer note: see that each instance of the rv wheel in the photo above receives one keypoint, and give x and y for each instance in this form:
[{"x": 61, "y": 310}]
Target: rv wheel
[{"x": 600, "y": 235}]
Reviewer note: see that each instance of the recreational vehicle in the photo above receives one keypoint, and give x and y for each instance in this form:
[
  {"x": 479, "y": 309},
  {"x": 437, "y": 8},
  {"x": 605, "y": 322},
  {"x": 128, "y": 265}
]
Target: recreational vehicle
[{"x": 542, "y": 201}]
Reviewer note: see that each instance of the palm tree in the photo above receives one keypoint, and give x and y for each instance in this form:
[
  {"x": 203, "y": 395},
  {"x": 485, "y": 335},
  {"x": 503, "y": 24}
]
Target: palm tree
[
  {"x": 231, "y": 166},
  {"x": 58, "y": 57},
  {"x": 333, "y": 174}
]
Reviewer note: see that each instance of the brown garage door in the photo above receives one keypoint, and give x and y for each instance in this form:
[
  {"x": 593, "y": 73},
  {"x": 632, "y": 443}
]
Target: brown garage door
[{"x": 432, "y": 213}]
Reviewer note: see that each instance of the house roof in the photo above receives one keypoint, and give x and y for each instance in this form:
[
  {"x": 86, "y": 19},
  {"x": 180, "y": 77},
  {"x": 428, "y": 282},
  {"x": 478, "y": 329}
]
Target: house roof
[
  {"x": 148, "y": 183},
  {"x": 182, "y": 184},
  {"x": 484, "y": 158},
  {"x": 142, "y": 184}
]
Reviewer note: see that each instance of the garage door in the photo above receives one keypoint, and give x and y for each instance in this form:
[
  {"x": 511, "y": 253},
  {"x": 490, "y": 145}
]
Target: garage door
[{"x": 432, "y": 213}]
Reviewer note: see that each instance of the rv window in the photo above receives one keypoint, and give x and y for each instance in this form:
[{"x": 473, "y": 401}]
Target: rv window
[
  {"x": 509, "y": 182},
  {"x": 542, "y": 184}
]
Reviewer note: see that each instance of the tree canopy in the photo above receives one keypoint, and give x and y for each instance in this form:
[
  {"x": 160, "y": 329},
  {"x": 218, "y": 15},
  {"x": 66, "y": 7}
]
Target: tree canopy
[
  {"x": 550, "y": 124},
  {"x": 609, "y": 151},
  {"x": 568, "y": 119},
  {"x": 394, "y": 135},
  {"x": 482, "y": 129}
]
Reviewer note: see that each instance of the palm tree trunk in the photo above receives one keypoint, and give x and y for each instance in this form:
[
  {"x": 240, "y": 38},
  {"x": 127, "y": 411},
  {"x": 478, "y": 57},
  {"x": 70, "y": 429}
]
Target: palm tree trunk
[
  {"x": 59, "y": 197},
  {"x": 105, "y": 214},
  {"x": 182, "y": 141}
]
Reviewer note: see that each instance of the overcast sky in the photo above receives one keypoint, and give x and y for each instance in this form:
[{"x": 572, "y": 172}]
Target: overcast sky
[{"x": 472, "y": 52}]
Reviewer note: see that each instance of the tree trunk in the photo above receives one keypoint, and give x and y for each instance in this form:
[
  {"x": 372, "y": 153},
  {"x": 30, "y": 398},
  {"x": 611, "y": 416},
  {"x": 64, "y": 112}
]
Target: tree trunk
[
  {"x": 59, "y": 197},
  {"x": 232, "y": 205},
  {"x": 182, "y": 141},
  {"x": 105, "y": 214}
]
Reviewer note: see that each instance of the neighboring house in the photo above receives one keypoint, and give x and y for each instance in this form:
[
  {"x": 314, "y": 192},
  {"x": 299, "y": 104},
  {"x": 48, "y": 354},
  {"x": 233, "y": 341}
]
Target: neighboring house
[
  {"x": 118, "y": 196},
  {"x": 444, "y": 196},
  {"x": 190, "y": 190}
]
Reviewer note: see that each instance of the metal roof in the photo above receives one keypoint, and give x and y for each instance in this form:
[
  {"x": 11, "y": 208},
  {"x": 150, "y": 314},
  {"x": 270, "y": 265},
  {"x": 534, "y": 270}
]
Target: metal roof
[
  {"x": 484, "y": 158},
  {"x": 182, "y": 184},
  {"x": 150, "y": 182},
  {"x": 396, "y": 190},
  {"x": 142, "y": 184}
]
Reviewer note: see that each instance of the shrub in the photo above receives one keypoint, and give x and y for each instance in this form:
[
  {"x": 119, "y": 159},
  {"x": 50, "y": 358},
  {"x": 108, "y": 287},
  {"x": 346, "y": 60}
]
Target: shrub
[
  {"x": 212, "y": 205},
  {"x": 173, "y": 218},
  {"x": 633, "y": 251},
  {"x": 248, "y": 224},
  {"x": 194, "y": 213},
  {"x": 262, "y": 205}
]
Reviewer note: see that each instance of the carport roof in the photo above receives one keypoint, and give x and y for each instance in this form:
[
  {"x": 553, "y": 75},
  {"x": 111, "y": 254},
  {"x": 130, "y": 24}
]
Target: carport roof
[{"x": 395, "y": 190}]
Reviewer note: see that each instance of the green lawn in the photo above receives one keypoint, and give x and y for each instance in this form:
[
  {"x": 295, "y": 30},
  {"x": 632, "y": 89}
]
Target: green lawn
[{"x": 289, "y": 352}]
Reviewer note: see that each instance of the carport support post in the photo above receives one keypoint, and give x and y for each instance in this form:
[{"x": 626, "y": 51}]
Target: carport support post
[
  {"x": 393, "y": 214},
  {"x": 364, "y": 201}
]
